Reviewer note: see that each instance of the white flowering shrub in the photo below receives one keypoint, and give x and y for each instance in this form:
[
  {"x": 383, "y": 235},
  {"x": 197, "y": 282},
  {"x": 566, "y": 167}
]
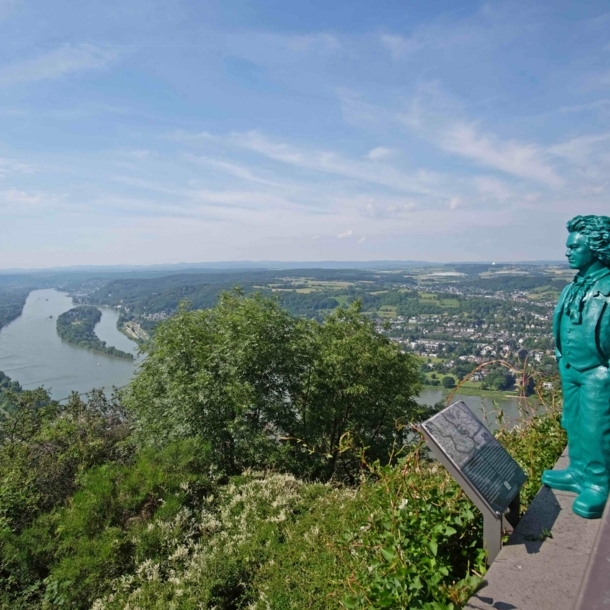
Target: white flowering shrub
[{"x": 212, "y": 555}]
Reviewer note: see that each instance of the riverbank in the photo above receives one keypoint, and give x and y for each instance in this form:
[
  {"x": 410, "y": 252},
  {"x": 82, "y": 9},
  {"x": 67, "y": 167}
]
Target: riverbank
[
  {"x": 132, "y": 330},
  {"x": 467, "y": 390}
]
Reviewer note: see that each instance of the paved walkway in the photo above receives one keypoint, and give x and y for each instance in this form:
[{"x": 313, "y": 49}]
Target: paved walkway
[{"x": 536, "y": 573}]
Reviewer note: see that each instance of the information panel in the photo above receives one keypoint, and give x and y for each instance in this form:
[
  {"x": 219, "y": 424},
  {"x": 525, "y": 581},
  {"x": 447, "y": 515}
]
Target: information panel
[{"x": 477, "y": 455}]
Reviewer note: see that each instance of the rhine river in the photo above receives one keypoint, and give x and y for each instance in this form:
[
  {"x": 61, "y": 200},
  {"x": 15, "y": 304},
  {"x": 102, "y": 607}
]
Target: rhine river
[{"x": 32, "y": 353}]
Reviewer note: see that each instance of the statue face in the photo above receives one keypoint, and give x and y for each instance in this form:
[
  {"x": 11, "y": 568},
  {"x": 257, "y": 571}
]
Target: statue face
[{"x": 580, "y": 256}]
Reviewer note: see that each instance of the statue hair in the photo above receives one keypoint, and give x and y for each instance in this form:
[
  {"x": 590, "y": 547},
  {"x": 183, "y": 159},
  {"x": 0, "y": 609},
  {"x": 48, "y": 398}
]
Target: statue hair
[{"x": 596, "y": 229}]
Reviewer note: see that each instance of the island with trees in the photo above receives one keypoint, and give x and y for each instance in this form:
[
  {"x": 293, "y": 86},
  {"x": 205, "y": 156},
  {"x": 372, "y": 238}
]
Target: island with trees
[{"x": 77, "y": 326}]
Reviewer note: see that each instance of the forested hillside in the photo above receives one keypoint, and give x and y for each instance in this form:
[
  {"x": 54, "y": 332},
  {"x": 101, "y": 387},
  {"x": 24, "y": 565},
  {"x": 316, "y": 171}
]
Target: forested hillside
[
  {"x": 257, "y": 461},
  {"x": 77, "y": 326},
  {"x": 12, "y": 301}
]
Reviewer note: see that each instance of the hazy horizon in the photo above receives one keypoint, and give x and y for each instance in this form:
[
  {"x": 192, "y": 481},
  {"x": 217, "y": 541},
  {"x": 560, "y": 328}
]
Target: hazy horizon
[
  {"x": 294, "y": 264},
  {"x": 147, "y": 133}
]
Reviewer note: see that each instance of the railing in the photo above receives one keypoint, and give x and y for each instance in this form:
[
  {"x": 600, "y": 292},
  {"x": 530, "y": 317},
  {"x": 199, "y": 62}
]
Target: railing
[{"x": 594, "y": 592}]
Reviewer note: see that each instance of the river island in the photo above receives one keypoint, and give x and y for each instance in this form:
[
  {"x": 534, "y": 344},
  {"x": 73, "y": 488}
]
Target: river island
[{"x": 77, "y": 326}]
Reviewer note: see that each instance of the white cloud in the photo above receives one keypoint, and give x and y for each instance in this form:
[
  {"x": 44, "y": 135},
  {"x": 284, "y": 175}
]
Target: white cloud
[
  {"x": 596, "y": 105},
  {"x": 333, "y": 162},
  {"x": 492, "y": 187},
  {"x": 233, "y": 169},
  {"x": 10, "y": 166},
  {"x": 525, "y": 160},
  {"x": 399, "y": 46},
  {"x": 386, "y": 208},
  {"x": 578, "y": 150},
  {"x": 381, "y": 152},
  {"x": 14, "y": 200},
  {"x": 346, "y": 234},
  {"x": 57, "y": 63},
  {"x": 362, "y": 239}
]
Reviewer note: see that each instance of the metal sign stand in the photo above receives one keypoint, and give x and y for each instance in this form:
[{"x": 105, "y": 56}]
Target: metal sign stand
[{"x": 495, "y": 524}]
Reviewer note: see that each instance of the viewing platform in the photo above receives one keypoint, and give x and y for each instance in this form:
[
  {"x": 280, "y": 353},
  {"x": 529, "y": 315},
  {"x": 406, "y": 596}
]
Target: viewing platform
[{"x": 547, "y": 558}]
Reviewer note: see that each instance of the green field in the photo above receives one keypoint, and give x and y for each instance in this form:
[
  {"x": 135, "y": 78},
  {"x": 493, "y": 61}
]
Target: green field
[{"x": 387, "y": 311}]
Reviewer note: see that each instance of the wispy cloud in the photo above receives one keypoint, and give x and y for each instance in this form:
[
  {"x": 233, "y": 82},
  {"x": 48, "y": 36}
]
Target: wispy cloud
[
  {"x": 380, "y": 152},
  {"x": 439, "y": 119},
  {"x": 399, "y": 46},
  {"x": 525, "y": 160},
  {"x": 57, "y": 63},
  {"x": 9, "y": 167},
  {"x": 345, "y": 234},
  {"x": 333, "y": 162},
  {"x": 596, "y": 105},
  {"x": 579, "y": 150},
  {"x": 233, "y": 169},
  {"x": 17, "y": 201}
]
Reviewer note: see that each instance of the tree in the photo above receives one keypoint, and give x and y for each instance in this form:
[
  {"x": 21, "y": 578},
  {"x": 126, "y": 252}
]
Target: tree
[
  {"x": 448, "y": 382},
  {"x": 265, "y": 389},
  {"x": 499, "y": 379}
]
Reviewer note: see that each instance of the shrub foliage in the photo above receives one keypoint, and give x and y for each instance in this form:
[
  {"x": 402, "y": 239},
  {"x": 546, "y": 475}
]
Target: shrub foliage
[
  {"x": 267, "y": 390},
  {"x": 257, "y": 462}
]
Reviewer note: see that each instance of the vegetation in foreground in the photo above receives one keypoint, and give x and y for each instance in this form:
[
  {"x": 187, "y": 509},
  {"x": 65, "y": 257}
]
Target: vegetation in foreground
[
  {"x": 77, "y": 326},
  {"x": 231, "y": 500},
  {"x": 8, "y": 388}
]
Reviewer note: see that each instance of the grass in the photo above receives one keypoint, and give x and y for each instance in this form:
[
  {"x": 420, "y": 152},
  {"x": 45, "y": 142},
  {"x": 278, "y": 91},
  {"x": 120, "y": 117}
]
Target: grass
[
  {"x": 342, "y": 300},
  {"x": 387, "y": 311}
]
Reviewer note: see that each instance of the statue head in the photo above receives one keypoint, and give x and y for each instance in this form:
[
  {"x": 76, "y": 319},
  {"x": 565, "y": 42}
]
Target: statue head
[{"x": 588, "y": 243}]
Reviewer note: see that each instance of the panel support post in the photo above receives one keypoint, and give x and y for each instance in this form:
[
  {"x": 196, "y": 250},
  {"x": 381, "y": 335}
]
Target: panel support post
[{"x": 492, "y": 535}]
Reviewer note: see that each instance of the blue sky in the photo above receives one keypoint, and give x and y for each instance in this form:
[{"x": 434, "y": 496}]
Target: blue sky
[{"x": 153, "y": 131}]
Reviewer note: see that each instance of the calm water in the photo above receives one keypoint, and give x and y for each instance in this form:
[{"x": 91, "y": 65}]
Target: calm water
[
  {"x": 32, "y": 353},
  {"x": 480, "y": 405}
]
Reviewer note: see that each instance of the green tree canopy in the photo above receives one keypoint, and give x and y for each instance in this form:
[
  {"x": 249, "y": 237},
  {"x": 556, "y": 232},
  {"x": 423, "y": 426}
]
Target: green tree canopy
[
  {"x": 448, "y": 382},
  {"x": 265, "y": 389}
]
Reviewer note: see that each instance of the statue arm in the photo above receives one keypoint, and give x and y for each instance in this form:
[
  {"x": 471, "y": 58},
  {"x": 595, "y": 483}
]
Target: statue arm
[{"x": 604, "y": 332}]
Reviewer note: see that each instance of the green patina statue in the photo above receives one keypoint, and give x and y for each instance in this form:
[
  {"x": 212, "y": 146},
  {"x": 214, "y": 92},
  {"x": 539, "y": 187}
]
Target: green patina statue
[{"x": 581, "y": 328}]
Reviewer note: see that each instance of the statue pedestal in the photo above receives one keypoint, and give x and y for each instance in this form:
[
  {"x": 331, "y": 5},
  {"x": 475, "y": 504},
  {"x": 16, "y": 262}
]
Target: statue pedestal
[{"x": 534, "y": 572}]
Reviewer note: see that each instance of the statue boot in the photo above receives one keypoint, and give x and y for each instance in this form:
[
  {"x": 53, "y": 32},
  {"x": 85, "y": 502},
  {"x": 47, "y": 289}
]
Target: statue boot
[
  {"x": 594, "y": 448},
  {"x": 590, "y": 502},
  {"x": 564, "y": 480},
  {"x": 568, "y": 479}
]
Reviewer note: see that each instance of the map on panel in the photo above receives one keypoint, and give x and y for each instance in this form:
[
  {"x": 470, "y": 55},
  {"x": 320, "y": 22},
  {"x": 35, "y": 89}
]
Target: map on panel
[{"x": 483, "y": 462}]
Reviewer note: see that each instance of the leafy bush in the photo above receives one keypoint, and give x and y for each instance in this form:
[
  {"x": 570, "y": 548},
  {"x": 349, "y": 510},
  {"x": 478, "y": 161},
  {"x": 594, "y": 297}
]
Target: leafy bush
[
  {"x": 214, "y": 565},
  {"x": 162, "y": 530},
  {"x": 120, "y": 514},
  {"x": 422, "y": 546},
  {"x": 44, "y": 447},
  {"x": 246, "y": 375}
]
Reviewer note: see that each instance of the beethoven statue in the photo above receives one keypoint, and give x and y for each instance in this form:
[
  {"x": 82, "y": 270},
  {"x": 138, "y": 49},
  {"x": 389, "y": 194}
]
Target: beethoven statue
[{"x": 581, "y": 328}]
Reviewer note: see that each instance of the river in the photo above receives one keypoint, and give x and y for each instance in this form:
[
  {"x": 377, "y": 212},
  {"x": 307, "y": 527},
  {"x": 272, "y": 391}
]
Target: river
[
  {"x": 32, "y": 353},
  {"x": 483, "y": 407}
]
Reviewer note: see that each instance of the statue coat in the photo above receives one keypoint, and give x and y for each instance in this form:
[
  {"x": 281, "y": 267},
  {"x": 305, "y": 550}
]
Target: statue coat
[{"x": 595, "y": 319}]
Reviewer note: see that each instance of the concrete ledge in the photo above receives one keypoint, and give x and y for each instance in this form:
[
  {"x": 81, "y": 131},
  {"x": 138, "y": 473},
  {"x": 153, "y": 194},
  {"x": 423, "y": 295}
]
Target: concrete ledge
[{"x": 535, "y": 572}]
